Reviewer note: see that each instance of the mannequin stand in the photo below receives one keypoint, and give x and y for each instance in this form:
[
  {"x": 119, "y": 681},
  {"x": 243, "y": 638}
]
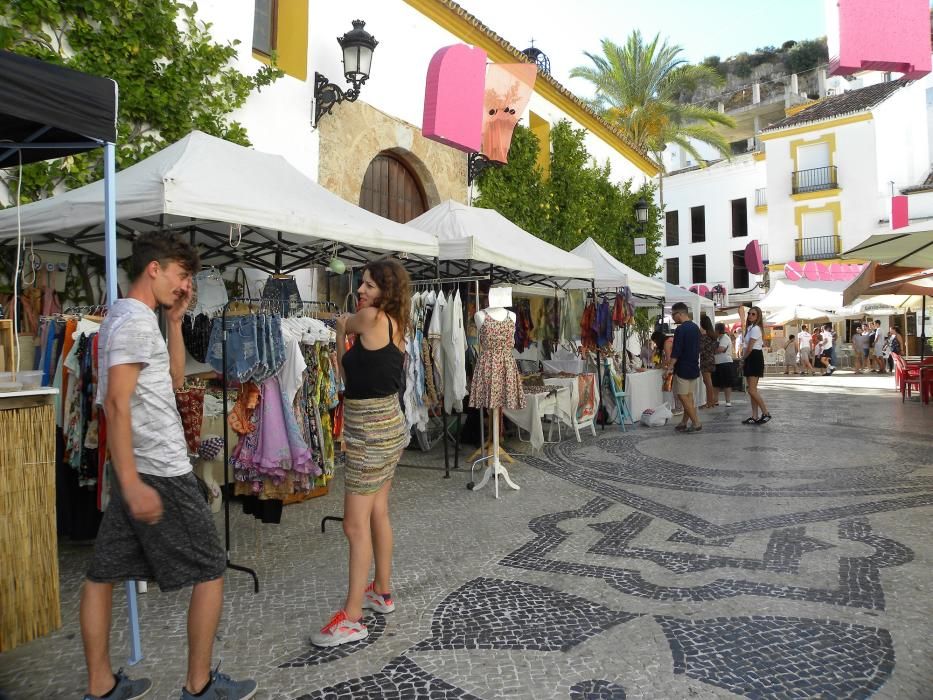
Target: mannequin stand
[
  {"x": 488, "y": 447},
  {"x": 495, "y": 470}
]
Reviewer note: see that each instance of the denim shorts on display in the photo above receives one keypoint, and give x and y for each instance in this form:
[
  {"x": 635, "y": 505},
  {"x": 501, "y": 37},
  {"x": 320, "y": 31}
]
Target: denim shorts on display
[
  {"x": 285, "y": 290},
  {"x": 211, "y": 292},
  {"x": 182, "y": 549},
  {"x": 242, "y": 347}
]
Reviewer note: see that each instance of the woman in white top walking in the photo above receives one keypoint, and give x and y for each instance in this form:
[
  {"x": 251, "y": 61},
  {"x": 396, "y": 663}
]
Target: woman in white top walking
[
  {"x": 724, "y": 370},
  {"x": 754, "y": 363}
]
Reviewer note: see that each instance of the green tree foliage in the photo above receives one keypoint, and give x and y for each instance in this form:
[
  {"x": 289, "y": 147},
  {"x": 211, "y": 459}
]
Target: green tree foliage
[
  {"x": 172, "y": 76},
  {"x": 806, "y": 55},
  {"x": 578, "y": 200},
  {"x": 641, "y": 88}
]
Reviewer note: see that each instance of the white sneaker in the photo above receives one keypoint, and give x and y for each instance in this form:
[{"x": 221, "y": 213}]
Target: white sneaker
[
  {"x": 340, "y": 630},
  {"x": 728, "y": 404},
  {"x": 377, "y": 601}
]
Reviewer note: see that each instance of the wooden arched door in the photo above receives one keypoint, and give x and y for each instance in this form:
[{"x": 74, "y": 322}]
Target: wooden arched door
[{"x": 392, "y": 190}]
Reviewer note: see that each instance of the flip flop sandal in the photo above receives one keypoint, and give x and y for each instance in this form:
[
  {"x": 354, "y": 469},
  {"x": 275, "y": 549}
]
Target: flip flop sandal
[
  {"x": 680, "y": 428},
  {"x": 749, "y": 421},
  {"x": 694, "y": 429}
]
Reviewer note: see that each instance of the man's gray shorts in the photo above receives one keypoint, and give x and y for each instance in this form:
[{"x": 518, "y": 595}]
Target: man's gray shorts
[{"x": 180, "y": 550}]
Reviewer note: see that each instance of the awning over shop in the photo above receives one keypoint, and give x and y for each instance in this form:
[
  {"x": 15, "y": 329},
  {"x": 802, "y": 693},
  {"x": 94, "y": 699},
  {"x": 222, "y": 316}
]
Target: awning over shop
[
  {"x": 611, "y": 273},
  {"x": 471, "y": 238},
  {"x": 239, "y": 205},
  {"x": 42, "y": 103},
  {"x": 911, "y": 246}
]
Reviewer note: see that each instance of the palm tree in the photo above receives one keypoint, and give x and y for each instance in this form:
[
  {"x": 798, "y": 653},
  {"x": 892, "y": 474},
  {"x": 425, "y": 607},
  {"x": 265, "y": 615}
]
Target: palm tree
[{"x": 642, "y": 89}]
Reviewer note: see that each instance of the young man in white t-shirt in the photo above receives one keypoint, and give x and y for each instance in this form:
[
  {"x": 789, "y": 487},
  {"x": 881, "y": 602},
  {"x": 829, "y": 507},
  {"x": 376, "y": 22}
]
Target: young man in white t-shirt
[
  {"x": 805, "y": 350},
  {"x": 157, "y": 525},
  {"x": 826, "y": 347}
]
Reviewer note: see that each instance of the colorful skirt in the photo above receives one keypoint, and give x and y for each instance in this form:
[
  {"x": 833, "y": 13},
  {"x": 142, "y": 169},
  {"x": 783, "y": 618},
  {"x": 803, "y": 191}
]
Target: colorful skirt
[{"x": 375, "y": 435}]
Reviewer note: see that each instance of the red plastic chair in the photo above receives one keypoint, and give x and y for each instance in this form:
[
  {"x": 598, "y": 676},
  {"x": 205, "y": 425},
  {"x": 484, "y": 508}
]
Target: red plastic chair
[
  {"x": 926, "y": 383},
  {"x": 906, "y": 378}
]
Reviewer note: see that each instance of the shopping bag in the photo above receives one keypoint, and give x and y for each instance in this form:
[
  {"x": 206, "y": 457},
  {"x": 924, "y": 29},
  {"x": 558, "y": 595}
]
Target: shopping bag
[{"x": 654, "y": 417}]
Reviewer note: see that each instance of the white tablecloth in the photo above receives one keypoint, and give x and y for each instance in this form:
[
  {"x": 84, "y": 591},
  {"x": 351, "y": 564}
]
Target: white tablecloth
[
  {"x": 643, "y": 391},
  {"x": 529, "y": 418}
]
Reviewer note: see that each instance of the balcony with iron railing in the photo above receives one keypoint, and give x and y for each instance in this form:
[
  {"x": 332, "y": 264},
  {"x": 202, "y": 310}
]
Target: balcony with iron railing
[
  {"x": 814, "y": 180},
  {"x": 817, "y": 248}
]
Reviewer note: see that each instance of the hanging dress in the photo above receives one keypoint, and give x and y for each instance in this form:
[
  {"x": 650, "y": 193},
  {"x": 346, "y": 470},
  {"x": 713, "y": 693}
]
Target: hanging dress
[{"x": 496, "y": 381}]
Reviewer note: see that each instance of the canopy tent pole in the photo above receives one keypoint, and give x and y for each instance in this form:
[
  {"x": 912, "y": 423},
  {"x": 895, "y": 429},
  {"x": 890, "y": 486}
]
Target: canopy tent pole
[
  {"x": 110, "y": 220},
  {"x": 923, "y": 327}
]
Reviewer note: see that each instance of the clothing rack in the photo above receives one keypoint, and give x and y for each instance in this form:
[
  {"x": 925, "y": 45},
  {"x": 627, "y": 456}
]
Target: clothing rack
[
  {"x": 445, "y": 434},
  {"x": 273, "y": 306}
]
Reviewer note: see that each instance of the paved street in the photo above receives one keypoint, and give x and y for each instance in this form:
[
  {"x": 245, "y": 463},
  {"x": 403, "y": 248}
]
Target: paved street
[{"x": 790, "y": 560}]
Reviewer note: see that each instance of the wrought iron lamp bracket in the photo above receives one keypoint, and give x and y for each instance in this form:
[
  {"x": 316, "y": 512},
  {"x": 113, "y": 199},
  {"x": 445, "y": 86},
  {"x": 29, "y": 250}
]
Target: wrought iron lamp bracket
[
  {"x": 328, "y": 94},
  {"x": 477, "y": 163}
]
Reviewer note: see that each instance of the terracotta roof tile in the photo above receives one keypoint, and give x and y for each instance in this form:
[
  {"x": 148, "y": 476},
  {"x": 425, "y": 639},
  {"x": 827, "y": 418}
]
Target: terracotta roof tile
[{"x": 850, "y": 102}]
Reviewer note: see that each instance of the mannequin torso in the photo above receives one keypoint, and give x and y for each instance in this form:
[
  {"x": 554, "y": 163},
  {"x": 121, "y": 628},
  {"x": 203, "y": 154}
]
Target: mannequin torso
[{"x": 497, "y": 313}]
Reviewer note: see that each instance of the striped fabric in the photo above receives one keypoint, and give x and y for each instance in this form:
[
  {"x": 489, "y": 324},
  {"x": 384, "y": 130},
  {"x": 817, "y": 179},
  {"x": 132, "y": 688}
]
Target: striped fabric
[{"x": 375, "y": 435}]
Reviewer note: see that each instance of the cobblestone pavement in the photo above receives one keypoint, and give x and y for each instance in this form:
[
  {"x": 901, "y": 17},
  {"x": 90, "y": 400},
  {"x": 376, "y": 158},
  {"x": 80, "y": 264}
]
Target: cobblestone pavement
[{"x": 790, "y": 560}]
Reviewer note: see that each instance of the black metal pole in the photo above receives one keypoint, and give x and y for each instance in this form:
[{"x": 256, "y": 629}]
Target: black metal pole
[{"x": 227, "y": 490}]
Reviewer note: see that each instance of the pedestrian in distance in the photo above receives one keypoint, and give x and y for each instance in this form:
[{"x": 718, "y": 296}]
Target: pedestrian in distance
[
  {"x": 790, "y": 354},
  {"x": 157, "y": 525},
  {"x": 827, "y": 343},
  {"x": 878, "y": 345},
  {"x": 708, "y": 342},
  {"x": 724, "y": 370},
  {"x": 805, "y": 350},
  {"x": 753, "y": 363},
  {"x": 375, "y": 435},
  {"x": 858, "y": 347},
  {"x": 684, "y": 367}
]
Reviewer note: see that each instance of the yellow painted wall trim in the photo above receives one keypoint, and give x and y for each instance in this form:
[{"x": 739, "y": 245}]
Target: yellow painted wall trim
[
  {"x": 759, "y": 155},
  {"x": 291, "y": 49},
  {"x": 791, "y": 111},
  {"x": 761, "y": 209},
  {"x": 797, "y": 144},
  {"x": 834, "y": 207},
  {"x": 474, "y": 32},
  {"x": 808, "y": 128},
  {"x": 292, "y": 38},
  {"x": 541, "y": 128},
  {"x": 803, "y": 196}
]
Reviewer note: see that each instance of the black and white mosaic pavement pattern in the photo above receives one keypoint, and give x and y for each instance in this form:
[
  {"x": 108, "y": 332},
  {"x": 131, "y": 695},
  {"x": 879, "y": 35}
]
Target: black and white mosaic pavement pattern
[
  {"x": 401, "y": 679},
  {"x": 490, "y": 613},
  {"x": 597, "y": 690},
  {"x": 775, "y": 657},
  {"x": 785, "y": 561}
]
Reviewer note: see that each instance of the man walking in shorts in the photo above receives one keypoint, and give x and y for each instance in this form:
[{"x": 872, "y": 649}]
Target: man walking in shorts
[
  {"x": 685, "y": 366},
  {"x": 157, "y": 525}
]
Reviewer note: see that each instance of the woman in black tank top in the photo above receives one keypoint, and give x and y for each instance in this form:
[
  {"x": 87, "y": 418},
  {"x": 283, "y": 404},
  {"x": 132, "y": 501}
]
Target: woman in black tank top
[{"x": 375, "y": 435}]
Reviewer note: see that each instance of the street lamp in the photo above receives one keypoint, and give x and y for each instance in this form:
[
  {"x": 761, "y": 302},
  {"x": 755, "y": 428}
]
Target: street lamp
[
  {"x": 357, "y": 46},
  {"x": 641, "y": 212}
]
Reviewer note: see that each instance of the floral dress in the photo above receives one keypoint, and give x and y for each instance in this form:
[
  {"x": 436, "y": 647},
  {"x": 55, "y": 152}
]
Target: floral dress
[
  {"x": 496, "y": 381},
  {"x": 707, "y": 353}
]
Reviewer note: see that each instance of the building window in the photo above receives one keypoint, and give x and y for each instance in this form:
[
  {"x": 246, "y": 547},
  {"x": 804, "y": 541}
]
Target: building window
[
  {"x": 697, "y": 224},
  {"x": 391, "y": 190},
  {"x": 699, "y": 268},
  {"x": 672, "y": 228},
  {"x": 739, "y": 218},
  {"x": 265, "y": 19},
  {"x": 739, "y": 271},
  {"x": 672, "y": 267}
]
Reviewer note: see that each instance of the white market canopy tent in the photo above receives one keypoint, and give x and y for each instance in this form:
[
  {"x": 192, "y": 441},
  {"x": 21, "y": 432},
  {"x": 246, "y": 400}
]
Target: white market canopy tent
[
  {"x": 789, "y": 301},
  {"x": 694, "y": 302},
  {"x": 471, "y": 240},
  {"x": 611, "y": 273},
  {"x": 201, "y": 185}
]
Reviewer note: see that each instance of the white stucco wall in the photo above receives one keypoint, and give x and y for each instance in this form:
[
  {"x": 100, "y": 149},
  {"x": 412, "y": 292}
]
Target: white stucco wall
[
  {"x": 902, "y": 138},
  {"x": 278, "y": 117},
  {"x": 714, "y": 188},
  {"x": 859, "y": 199}
]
